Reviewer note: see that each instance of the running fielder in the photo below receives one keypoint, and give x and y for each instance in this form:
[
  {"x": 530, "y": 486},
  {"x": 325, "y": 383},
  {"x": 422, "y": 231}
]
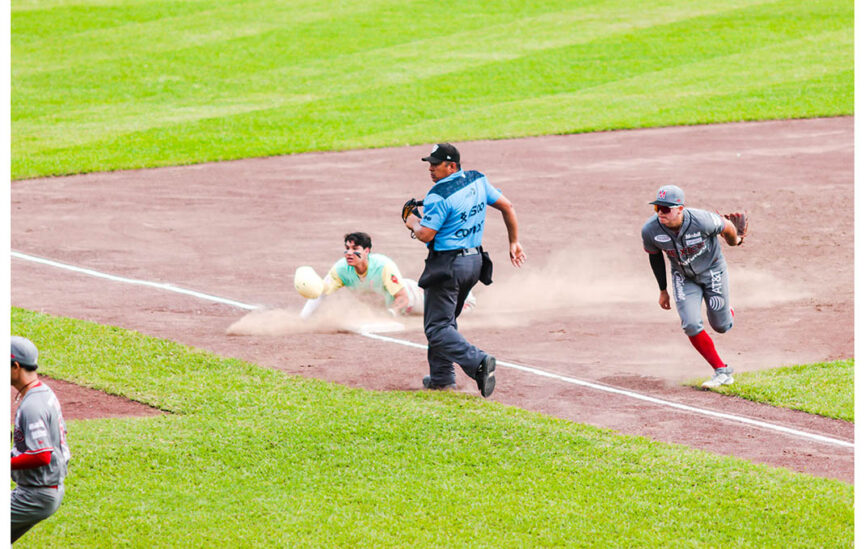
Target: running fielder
[
  {"x": 688, "y": 237},
  {"x": 39, "y": 452},
  {"x": 360, "y": 270}
]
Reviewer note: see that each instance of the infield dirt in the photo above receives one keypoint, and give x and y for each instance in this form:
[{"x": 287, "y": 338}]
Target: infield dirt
[{"x": 584, "y": 306}]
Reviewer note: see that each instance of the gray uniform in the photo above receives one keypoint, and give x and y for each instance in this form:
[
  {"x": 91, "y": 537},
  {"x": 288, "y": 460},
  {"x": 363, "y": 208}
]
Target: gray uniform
[
  {"x": 39, "y": 427},
  {"x": 697, "y": 266}
]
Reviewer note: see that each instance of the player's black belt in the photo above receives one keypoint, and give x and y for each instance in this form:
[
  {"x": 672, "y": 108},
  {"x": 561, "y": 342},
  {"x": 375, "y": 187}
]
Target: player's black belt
[{"x": 458, "y": 252}]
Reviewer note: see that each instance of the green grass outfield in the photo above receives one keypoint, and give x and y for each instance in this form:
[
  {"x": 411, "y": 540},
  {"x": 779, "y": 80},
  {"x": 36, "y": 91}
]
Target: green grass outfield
[
  {"x": 824, "y": 388},
  {"x": 251, "y": 457},
  {"x": 109, "y": 84}
]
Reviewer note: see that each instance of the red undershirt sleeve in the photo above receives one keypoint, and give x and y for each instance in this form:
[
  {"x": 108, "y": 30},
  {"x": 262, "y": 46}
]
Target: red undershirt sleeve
[{"x": 29, "y": 460}]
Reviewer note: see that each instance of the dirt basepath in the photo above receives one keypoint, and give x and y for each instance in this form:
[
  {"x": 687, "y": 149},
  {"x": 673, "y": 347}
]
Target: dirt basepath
[
  {"x": 80, "y": 402},
  {"x": 584, "y": 306}
]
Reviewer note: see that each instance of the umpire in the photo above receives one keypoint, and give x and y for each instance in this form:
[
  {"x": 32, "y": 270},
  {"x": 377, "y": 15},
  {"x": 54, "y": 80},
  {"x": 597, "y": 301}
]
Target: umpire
[{"x": 454, "y": 211}]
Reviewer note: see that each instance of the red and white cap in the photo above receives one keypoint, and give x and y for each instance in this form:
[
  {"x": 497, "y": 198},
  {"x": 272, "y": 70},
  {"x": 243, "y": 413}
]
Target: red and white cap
[{"x": 669, "y": 195}]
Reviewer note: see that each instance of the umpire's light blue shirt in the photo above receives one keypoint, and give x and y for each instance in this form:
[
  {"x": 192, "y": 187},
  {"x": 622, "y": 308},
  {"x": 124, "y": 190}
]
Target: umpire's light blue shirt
[{"x": 456, "y": 207}]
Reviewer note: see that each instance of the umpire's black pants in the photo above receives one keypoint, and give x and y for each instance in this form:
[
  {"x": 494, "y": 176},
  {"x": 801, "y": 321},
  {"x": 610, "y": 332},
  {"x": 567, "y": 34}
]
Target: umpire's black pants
[{"x": 443, "y": 303}]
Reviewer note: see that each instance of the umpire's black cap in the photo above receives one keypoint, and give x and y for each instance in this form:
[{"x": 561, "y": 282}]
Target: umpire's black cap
[{"x": 443, "y": 152}]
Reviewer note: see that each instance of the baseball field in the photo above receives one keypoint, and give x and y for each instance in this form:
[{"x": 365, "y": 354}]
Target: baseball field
[{"x": 173, "y": 163}]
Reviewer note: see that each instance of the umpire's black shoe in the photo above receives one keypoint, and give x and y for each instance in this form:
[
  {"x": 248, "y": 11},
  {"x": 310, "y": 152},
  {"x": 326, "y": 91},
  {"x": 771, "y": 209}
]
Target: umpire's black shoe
[
  {"x": 428, "y": 384},
  {"x": 486, "y": 376}
]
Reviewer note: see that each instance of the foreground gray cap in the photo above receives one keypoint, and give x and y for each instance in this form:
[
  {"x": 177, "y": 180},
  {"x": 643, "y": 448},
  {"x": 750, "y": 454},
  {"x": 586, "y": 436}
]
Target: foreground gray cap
[
  {"x": 669, "y": 195},
  {"x": 24, "y": 352}
]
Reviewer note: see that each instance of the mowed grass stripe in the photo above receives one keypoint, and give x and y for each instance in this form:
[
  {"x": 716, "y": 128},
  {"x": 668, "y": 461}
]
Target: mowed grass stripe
[
  {"x": 396, "y": 64},
  {"x": 252, "y": 457},
  {"x": 676, "y": 104},
  {"x": 672, "y": 95},
  {"x": 98, "y": 31},
  {"x": 373, "y": 77},
  {"x": 355, "y": 75},
  {"x": 668, "y": 85},
  {"x": 102, "y": 31}
]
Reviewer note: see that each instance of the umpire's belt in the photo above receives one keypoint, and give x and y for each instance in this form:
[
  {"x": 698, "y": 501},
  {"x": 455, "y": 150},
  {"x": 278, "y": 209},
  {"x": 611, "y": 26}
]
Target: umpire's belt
[{"x": 464, "y": 251}]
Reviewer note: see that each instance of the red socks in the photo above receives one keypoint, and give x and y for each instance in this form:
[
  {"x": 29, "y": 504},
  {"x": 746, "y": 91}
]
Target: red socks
[{"x": 706, "y": 347}]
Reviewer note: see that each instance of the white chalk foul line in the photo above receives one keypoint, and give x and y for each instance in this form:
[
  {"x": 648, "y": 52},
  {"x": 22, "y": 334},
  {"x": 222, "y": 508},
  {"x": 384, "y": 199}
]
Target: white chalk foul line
[
  {"x": 639, "y": 396},
  {"x": 114, "y": 278},
  {"x": 528, "y": 369}
]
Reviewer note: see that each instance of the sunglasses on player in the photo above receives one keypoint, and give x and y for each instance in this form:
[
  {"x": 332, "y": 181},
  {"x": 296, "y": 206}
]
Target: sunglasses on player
[{"x": 663, "y": 209}]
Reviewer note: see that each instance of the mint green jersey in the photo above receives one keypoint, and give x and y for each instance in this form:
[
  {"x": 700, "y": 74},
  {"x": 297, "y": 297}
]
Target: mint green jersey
[{"x": 382, "y": 277}]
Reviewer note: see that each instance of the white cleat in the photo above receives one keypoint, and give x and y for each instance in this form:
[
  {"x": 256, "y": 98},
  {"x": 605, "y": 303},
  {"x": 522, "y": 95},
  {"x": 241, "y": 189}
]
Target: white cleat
[{"x": 723, "y": 376}]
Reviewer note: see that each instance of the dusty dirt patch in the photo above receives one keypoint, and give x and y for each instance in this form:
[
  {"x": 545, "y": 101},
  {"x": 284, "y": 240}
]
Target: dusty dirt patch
[{"x": 584, "y": 306}]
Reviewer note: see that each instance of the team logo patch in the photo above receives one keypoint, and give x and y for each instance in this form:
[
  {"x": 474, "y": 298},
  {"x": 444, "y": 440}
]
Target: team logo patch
[
  {"x": 679, "y": 285},
  {"x": 662, "y": 238},
  {"x": 716, "y": 302},
  {"x": 394, "y": 279}
]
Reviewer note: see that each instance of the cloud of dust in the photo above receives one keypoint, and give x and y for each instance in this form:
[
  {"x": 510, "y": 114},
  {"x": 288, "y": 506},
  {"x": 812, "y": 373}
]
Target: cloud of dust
[
  {"x": 590, "y": 282},
  {"x": 763, "y": 289},
  {"x": 573, "y": 283},
  {"x": 339, "y": 312},
  {"x": 579, "y": 281}
]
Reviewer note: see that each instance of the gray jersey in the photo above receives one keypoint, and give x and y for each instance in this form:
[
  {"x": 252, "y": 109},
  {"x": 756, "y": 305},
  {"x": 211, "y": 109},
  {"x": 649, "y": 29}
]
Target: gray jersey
[
  {"x": 39, "y": 427},
  {"x": 694, "y": 249}
]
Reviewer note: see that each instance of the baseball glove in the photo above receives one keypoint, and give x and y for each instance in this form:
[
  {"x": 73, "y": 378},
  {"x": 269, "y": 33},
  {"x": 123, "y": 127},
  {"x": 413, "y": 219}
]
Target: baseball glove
[
  {"x": 740, "y": 220},
  {"x": 411, "y": 207}
]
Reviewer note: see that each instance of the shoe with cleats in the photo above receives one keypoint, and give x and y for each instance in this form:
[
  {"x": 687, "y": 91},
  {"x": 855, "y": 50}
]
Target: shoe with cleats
[
  {"x": 722, "y": 376},
  {"x": 428, "y": 384},
  {"x": 486, "y": 376}
]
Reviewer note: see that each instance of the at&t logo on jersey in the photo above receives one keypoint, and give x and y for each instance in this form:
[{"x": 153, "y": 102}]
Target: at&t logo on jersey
[{"x": 717, "y": 284}]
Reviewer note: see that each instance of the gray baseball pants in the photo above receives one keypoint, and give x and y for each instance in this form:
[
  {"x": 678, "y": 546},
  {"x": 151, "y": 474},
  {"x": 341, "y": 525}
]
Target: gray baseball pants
[
  {"x": 711, "y": 286},
  {"x": 30, "y": 505}
]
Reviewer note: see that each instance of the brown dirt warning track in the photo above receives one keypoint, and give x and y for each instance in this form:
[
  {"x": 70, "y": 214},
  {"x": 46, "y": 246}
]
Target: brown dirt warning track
[{"x": 583, "y": 310}]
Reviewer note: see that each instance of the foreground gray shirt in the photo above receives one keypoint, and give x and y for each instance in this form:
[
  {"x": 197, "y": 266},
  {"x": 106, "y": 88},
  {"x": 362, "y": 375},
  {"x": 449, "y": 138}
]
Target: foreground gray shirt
[
  {"x": 694, "y": 249},
  {"x": 39, "y": 427}
]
